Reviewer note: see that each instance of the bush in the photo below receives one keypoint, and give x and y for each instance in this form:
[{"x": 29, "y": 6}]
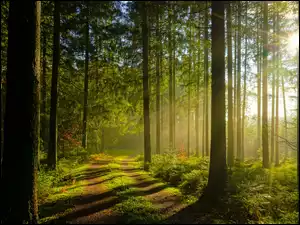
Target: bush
[{"x": 48, "y": 179}]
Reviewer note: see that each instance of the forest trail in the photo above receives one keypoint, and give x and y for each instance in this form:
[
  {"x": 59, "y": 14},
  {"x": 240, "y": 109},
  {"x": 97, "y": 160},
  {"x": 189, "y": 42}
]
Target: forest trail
[{"x": 115, "y": 191}]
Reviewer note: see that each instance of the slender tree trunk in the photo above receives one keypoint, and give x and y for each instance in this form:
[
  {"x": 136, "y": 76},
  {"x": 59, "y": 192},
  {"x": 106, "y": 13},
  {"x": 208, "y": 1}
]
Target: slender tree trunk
[
  {"x": 86, "y": 81},
  {"x": 189, "y": 90},
  {"x": 21, "y": 120},
  {"x": 217, "y": 169},
  {"x": 230, "y": 122},
  {"x": 145, "y": 32},
  {"x": 235, "y": 96},
  {"x": 277, "y": 92},
  {"x": 52, "y": 151},
  {"x": 206, "y": 134},
  {"x": 173, "y": 78},
  {"x": 157, "y": 84},
  {"x": 102, "y": 140},
  {"x": 258, "y": 84},
  {"x": 265, "y": 143},
  {"x": 161, "y": 97},
  {"x": 285, "y": 117},
  {"x": 44, "y": 94},
  {"x": 171, "y": 141},
  {"x": 239, "y": 140},
  {"x": 197, "y": 124},
  {"x": 245, "y": 89},
  {"x": 273, "y": 97}
]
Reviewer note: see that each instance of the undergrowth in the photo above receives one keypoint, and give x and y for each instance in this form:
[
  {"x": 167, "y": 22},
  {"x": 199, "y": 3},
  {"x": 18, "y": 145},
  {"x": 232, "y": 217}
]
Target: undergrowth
[{"x": 268, "y": 195}]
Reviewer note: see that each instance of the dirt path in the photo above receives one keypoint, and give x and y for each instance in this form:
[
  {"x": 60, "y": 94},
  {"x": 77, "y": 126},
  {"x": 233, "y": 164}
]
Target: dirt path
[
  {"x": 97, "y": 203},
  {"x": 159, "y": 194}
]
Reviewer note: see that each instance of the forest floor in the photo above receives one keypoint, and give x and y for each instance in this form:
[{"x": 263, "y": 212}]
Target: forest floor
[
  {"x": 115, "y": 191},
  {"x": 113, "y": 188}
]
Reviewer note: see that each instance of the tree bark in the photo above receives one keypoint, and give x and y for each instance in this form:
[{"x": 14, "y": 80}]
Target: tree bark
[
  {"x": 157, "y": 83},
  {"x": 265, "y": 143},
  {"x": 206, "y": 134},
  {"x": 245, "y": 88},
  {"x": 145, "y": 32},
  {"x": 171, "y": 135},
  {"x": 273, "y": 95},
  {"x": 197, "y": 125},
  {"x": 86, "y": 80},
  {"x": 277, "y": 92},
  {"x": 44, "y": 94},
  {"x": 21, "y": 120},
  {"x": 217, "y": 169},
  {"x": 230, "y": 158},
  {"x": 52, "y": 151},
  {"x": 189, "y": 91},
  {"x": 239, "y": 140},
  {"x": 258, "y": 83}
]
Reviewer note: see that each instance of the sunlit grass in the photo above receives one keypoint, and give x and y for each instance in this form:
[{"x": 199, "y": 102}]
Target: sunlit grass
[{"x": 138, "y": 210}]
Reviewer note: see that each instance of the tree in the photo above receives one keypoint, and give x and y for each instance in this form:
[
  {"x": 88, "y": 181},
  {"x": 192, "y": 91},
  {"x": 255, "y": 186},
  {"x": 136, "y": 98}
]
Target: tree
[
  {"x": 273, "y": 91},
  {"x": 217, "y": 168},
  {"x": 230, "y": 156},
  {"x": 245, "y": 87},
  {"x": 43, "y": 91},
  {"x": 86, "y": 80},
  {"x": 239, "y": 140},
  {"x": 265, "y": 143},
  {"x": 205, "y": 107},
  {"x": 171, "y": 129},
  {"x": 158, "y": 38},
  {"x": 145, "y": 31},
  {"x": 258, "y": 60},
  {"x": 189, "y": 89},
  {"x": 52, "y": 151},
  {"x": 277, "y": 92},
  {"x": 21, "y": 132}
]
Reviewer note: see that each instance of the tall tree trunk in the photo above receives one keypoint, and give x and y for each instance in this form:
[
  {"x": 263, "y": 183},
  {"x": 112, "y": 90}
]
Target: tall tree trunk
[
  {"x": 52, "y": 151},
  {"x": 197, "y": 125},
  {"x": 189, "y": 90},
  {"x": 206, "y": 134},
  {"x": 258, "y": 83},
  {"x": 217, "y": 169},
  {"x": 86, "y": 80},
  {"x": 273, "y": 95},
  {"x": 230, "y": 123},
  {"x": 173, "y": 78},
  {"x": 239, "y": 140},
  {"x": 21, "y": 120},
  {"x": 44, "y": 94},
  {"x": 1, "y": 105},
  {"x": 277, "y": 91},
  {"x": 235, "y": 95},
  {"x": 245, "y": 88},
  {"x": 145, "y": 32},
  {"x": 161, "y": 97},
  {"x": 265, "y": 143},
  {"x": 171, "y": 141},
  {"x": 157, "y": 83},
  {"x": 285, "y": 117}
]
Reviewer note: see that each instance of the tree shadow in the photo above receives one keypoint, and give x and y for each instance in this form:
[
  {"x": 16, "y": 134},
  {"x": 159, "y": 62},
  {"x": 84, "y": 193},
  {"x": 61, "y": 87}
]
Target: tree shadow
[
  {"x": 222, "y": 207},
  {"x": 90, "y": 203}
]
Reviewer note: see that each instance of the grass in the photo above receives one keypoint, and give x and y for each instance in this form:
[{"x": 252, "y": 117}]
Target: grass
[
  {"x": 59, "y": 186},
  {"x": 266, "y": 195},
  {"x": 138, "y": 210}
]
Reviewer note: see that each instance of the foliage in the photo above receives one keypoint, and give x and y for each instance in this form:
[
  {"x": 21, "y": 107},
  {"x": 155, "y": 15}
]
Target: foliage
[
  {"x": 138, "y": 210},
  {"x": 49, "y": 181}
]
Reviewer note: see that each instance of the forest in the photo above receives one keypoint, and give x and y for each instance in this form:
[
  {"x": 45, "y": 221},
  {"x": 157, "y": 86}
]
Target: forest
[{"x": 142, "y": 112}]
